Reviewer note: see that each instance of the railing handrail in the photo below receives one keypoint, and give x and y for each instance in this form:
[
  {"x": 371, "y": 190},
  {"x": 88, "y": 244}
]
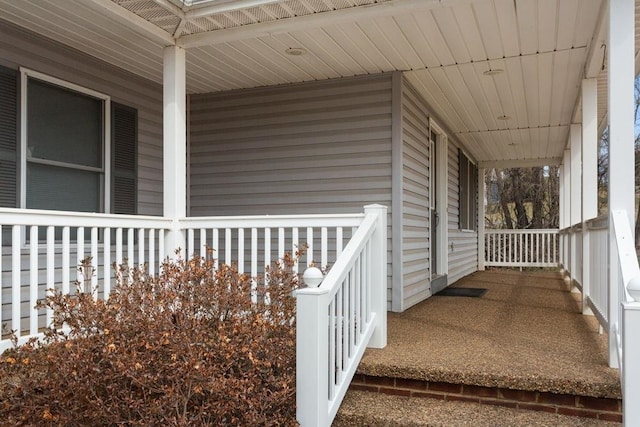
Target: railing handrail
[
  {"x": 522, "y": 231},
  {"x": 262, "y": 221},
  {"x": 37, "y": 217}
]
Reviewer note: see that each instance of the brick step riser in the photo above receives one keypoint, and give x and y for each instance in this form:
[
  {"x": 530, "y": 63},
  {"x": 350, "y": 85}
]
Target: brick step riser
[{"x": 564, "y": 404}]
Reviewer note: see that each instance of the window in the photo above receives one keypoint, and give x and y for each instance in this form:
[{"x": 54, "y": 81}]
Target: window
[
  {"x": 468, "y": 192},
  {"x": 70, "y": 148},
  {"x": 63, "y": 138}
]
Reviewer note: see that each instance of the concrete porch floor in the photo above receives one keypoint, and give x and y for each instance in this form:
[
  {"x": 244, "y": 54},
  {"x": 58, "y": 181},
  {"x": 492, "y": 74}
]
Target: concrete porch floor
[
  {"x": 525, "y": 333},
  {"x": 521, "y": 355}
]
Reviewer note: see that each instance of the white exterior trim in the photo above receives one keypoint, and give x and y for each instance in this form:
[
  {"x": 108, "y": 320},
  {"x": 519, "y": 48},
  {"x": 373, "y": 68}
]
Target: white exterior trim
[{"x": 397, "y": 282}]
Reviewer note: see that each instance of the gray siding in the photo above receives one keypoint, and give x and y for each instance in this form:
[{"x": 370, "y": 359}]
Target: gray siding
[
  {"x": 20, "y": 48},
  {"x": 463, "y": 244},
  {"x": 322, "y": 147},
  {"x": 415, "y": 199}
]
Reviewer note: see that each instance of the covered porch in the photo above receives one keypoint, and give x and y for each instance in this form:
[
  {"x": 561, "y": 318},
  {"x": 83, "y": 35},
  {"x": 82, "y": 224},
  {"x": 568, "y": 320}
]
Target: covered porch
[{"x": 305, "y": 111}]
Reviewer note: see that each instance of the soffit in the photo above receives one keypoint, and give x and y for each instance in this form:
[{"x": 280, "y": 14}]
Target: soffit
[{"x": 542, "y": 46}]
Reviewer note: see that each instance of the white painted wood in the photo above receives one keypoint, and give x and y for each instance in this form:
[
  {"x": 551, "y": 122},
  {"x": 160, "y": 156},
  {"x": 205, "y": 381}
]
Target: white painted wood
[
  {"x": 575, "y": 141},
  {"x": 621, "y": 68},
  {"x": 589, "y": 149},
  {"x": 481, "y": 212},
  {"x": 397, "y": 290},
  {"x": 174, "y": 143}
]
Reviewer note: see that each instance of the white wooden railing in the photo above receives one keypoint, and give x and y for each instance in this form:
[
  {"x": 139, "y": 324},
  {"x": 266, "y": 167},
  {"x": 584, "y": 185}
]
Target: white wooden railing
[
  {"x": 626, "y": 315},
  {"x": 339, "y": 319},
  {"x": 610, "y": 292},
  {"x": 41, "y": 250},
  {"x": 521, "y": 248}
]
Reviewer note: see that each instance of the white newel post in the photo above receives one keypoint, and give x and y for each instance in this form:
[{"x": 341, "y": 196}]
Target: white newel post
[
  {"x": 561, "y": 224},
  {"x": 379, "y": 276},
  {"x": 589, "y": 179},
  {"x": 174, "y": 146},
  {"x": 312, "y": 359}
]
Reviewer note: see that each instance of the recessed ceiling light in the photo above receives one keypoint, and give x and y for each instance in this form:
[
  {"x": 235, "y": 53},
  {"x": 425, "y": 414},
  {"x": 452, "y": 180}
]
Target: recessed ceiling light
[
  {"x": 295, "y": 51},
  {"x": 503, "y": 117},
  {"x": 493, "y": 72}
]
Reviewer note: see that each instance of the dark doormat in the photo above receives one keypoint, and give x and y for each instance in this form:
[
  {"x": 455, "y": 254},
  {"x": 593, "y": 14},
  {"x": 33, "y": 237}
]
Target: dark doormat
[{"x": 462, "y": 292}]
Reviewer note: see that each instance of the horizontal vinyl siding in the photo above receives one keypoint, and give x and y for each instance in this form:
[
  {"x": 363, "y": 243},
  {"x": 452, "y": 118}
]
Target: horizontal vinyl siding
[
  {"x": 322, "y": 147},
  {"x": 20, "y": 48},
  {"x": 415, "y": 199},
  {"x": 463, "y": 245}
]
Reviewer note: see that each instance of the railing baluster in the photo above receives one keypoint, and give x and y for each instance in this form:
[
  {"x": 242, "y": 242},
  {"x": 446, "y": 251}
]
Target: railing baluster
[
  {"x": 16, "y": 291},
  {"x": 190, "y": 245},
  {"x": 227, "y": 246},
  {"x": 267, "y": 253},
  {"x": 332, "y": 349},
  {"x": 310, "y": 244},
  {"x": 281, "y": 243},
  {"x": 203, "y": 242},
  {"x": 119, "y": 248},
  {"x": 357, "y": 283},
  {"x": 215, "y": 237},
  {"x": 340, "y": 356},
  {"x": 324, "y": 247},
  {"x": 161, "y": 250},
  {"x": 66, "y": 260},
  {"x": 51, "y": 256},
  {"x": 33, "y": 280},
  {"x": 152, "y": 251},
  {"x": 130, "y": 248},
  {"x": 294, "y": 245},
  {"x": 254, "y": 265},
  {"x": 95, "y": 262},
  {"x": 106, "y": 268},
  {"x": 339, "y": 241},
  {"x": 80, "y": 274},
  {"x": 241, "y": 250},
  {"x": 141, "y": 247}
]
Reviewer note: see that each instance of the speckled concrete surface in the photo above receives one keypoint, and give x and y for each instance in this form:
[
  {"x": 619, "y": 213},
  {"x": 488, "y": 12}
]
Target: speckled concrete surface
[
  {"x": 374, "y": 409},
  {"x": 525, "y": 333}
]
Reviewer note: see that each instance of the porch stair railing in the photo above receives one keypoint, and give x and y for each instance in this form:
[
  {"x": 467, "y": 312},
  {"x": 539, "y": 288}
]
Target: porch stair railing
[
  {"x": 610, "y": 292},
  {"x": 41, "y": 251}
]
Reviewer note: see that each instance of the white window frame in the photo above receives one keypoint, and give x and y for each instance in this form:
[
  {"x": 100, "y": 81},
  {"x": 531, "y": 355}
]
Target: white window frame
[{"x": 25, "y": 74}]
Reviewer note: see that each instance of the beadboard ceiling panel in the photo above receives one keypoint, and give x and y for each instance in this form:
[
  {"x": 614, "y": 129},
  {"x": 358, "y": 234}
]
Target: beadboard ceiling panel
[{"x": 445, "y": 46}]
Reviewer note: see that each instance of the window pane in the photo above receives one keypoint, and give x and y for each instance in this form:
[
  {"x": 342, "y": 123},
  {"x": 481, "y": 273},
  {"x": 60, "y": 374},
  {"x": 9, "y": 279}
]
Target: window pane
[
  {"x": 57, "y": 188},
  {"x": 64, "y": 125}
]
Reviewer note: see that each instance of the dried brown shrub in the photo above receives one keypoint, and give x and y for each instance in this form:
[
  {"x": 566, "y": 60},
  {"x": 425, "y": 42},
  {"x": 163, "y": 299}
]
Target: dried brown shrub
[{"x": 185, "y": 348}]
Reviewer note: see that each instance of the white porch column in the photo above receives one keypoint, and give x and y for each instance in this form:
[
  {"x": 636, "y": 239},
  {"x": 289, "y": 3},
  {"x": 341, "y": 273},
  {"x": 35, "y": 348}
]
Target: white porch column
[
  {"x": 589, "y": 178},
  {"x": 575, "y": 141},
  {"x": 566, "y": 212},
  {"x": 174, "y": 145},
  {"x": 561, "y": 224},
  {"x": 481, "y": 194},
  {"x": 621, "y": 150}
]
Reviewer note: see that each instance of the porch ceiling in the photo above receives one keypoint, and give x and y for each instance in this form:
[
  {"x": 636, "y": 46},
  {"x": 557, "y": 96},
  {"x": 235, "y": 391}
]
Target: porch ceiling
[{"x": 544, "y": 48}]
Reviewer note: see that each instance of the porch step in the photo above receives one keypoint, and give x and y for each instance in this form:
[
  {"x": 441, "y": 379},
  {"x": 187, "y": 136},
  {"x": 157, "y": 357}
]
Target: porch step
[{"x": 363, "y": 408}]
